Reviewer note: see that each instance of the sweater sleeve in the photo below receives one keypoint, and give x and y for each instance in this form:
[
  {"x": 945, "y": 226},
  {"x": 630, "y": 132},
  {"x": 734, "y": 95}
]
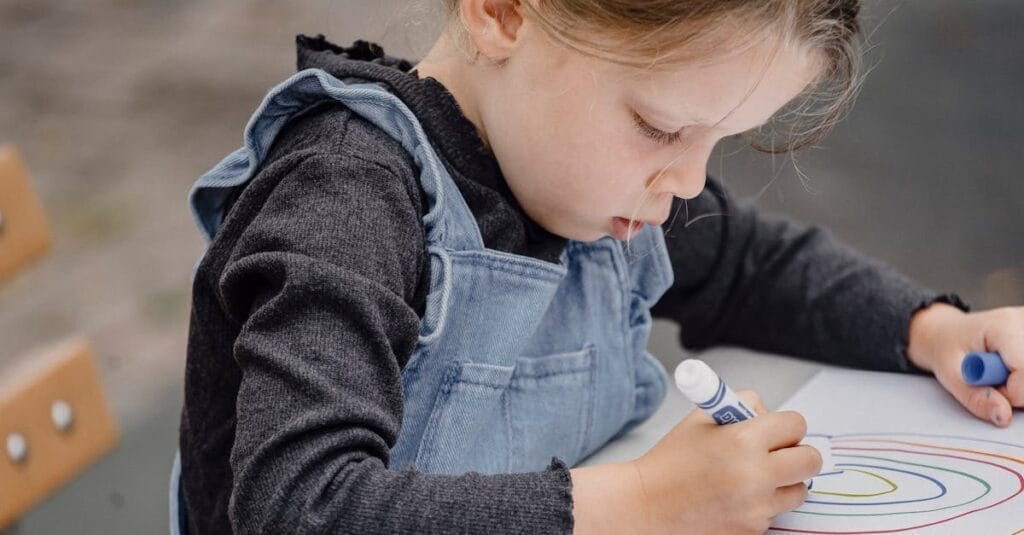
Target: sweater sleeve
[
  {"x": 767, "y": 283},
  {"x": 320, "y": 283}
]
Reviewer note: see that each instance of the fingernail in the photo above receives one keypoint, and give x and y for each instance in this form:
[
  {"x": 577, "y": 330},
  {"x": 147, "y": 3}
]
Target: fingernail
[
  {"x": 996, "y": 418},
  {"x": 988, "y": 393}
]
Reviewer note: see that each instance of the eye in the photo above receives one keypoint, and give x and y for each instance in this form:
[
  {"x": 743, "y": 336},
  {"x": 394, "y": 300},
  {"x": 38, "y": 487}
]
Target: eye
[{"x": 659, "y": 136}]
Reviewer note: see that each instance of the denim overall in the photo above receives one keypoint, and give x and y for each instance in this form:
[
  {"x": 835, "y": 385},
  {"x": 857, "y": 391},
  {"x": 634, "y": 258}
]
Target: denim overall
[{"x": 518, "y": 360}]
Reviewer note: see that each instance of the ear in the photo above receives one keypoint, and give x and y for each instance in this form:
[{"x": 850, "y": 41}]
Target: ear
[{"x": 492, "y": 26}]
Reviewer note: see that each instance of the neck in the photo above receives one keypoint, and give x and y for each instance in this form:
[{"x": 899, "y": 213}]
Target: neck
[{"x": 450, "y": 65}]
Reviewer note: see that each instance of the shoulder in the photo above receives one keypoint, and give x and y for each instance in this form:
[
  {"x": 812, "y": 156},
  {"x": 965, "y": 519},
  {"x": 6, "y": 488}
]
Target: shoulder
[
  {"x": 329, "y": 130},
  {"x": 335, "y": 189},
  {"x": 333, "y": 162}
]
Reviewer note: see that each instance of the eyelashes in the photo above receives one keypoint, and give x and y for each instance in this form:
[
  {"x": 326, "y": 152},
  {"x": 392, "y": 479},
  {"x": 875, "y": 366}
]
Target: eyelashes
[{"x": 659, "y": 136}]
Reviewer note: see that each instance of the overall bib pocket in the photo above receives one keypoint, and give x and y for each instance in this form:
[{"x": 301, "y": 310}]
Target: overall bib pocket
[{"x": 492, "y": 418}]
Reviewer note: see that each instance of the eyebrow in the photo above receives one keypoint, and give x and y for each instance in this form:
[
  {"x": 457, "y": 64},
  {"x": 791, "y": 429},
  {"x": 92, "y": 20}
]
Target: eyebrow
[{"x": 670, "y": 117}]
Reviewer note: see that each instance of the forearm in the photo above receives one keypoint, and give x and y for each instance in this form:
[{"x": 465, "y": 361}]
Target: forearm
[
  {"x": 829, "y": 303},
  {"x": 824, "y": 301},
  {"x": 775, "y": 285},
  {"x": 342, "y": 495}
]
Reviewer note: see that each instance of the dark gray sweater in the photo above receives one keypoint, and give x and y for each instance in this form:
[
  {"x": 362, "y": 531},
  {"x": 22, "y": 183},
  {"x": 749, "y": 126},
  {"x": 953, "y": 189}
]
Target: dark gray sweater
[{"x": 307, "y": 306}]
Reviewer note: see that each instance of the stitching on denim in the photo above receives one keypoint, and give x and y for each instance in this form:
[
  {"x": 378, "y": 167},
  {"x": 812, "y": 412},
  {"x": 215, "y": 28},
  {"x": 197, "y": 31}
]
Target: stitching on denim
[
  {"x": 427, "y": 449},
  {"x": 569, "y": 371},
  {"x": 482, "y": 259},
  {"x": 492, "y": 386},
  {"x": 506, "y": 409},
  {"x": 589, "y": 406}
]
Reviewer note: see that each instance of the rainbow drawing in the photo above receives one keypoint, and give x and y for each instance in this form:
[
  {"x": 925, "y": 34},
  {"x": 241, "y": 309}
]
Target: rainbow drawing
[{"x": 912, "y": 483}]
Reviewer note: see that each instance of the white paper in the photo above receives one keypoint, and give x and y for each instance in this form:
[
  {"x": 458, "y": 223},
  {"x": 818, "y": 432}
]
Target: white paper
[{"x": 912, "y": 460}]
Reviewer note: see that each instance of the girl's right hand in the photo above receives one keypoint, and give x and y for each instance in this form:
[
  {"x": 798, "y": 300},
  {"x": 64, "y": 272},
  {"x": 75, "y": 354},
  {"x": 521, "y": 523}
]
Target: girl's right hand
[
  {"x": 709, "y": 478},
  {"x": 704, "y": 478}
]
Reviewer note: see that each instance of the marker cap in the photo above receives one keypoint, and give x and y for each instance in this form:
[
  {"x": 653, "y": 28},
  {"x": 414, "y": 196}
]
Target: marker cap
[
  {"x": 696, "y": 380},
  {"x": 981, "y": 369}
]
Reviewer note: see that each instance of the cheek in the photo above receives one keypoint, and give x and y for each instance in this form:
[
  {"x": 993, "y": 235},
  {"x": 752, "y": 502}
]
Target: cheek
[
  {"x": 598, "y": 170},
  {"x": 554, "y": 140},
  {"x": 567, "y": 151},
  {"x": 596, "y": 146}
]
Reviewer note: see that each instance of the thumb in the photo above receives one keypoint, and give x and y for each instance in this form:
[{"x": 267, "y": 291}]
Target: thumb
[{"x": 985, "y": 402}]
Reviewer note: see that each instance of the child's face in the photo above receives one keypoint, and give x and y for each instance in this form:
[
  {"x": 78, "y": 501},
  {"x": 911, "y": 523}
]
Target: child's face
[{"x": 564, "y": 128}]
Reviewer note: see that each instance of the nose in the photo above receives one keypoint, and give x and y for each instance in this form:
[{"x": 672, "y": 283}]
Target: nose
[{"x": 683, "y": 178}]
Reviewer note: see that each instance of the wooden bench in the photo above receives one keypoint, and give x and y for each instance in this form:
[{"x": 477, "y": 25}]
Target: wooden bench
[
  {"x": 24, "y": 234},
  {"x": 54, "y": 418}
]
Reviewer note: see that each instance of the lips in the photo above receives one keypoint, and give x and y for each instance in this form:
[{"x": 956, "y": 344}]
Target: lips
[{"x": 623, "y": 229}]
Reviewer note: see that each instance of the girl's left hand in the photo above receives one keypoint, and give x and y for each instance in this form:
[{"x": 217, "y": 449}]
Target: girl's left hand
[{"x": 941, "y": 335}]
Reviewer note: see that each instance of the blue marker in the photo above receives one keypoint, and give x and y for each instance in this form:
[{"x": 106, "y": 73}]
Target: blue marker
[
  {"x": 698, "y": 382},
  {"x": 981, "y": 369}
]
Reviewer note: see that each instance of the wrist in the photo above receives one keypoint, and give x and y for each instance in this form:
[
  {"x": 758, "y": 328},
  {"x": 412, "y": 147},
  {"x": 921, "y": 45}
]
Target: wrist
[
  {"x": 608, "y": 499},
  {"x": 928, "y": 325}
]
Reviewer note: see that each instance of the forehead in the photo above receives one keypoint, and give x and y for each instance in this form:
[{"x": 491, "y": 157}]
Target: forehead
[{"x": 735, "y": 93}]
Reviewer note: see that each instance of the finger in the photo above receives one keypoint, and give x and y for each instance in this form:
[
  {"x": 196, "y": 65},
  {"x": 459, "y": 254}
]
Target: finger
[
  {"x": 1014, "y": 389},
  {"x": 1008, "y": 340},
  {"x": 794, "y": 465},
  {"x": 789, "y": 497},
  {"x": 781, "y": 429},
  {"x": 984, "y": 402},
  {"x": 753, "y": 401}
]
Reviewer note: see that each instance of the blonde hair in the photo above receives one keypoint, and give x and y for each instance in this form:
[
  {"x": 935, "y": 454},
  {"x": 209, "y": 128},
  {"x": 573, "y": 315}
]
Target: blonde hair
[{"x": 654, "y": 33}]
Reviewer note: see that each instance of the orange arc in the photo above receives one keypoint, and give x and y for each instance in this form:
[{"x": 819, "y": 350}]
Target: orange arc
[{"x": 1017, "y": 460}]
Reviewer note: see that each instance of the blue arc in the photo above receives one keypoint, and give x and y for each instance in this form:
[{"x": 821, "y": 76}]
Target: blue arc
[{"x": 942, "y": 488}]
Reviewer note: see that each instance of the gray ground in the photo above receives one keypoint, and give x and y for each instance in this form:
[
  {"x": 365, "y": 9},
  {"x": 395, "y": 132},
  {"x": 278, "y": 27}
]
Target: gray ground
[{"x": 117, "y": 106}]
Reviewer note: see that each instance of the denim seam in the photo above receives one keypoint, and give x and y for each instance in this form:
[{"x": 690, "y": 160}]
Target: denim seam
[
  {"x": 478, "y": 259},
  {"x": 479, "y": 383},
  {"x": 588, "y": 406},
  {"x": 513, "y": 445},
  {"x": 569, "y": 371},
  {"x": 427, "y": 448}
]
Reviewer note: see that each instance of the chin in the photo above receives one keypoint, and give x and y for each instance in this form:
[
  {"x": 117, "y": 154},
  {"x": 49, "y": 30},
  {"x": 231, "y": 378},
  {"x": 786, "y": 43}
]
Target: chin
[
  {"x": 589, "y": 236},
  {"x": 576, "y": 233}
]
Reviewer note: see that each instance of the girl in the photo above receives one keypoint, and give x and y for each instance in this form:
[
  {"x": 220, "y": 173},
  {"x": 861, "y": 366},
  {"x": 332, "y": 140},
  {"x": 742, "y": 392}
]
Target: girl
[{"x": 428, "y": 288}]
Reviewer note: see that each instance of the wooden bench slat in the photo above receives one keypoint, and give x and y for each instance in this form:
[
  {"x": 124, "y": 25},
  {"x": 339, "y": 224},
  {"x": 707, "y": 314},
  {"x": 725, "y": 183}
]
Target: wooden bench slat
[
  {"x": 65, "y": 372},
  {"x": 24, "y": 233}
]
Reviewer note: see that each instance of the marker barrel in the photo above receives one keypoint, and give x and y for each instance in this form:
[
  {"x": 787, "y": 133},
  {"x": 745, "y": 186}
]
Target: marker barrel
[{"x": 981, "y": 369}]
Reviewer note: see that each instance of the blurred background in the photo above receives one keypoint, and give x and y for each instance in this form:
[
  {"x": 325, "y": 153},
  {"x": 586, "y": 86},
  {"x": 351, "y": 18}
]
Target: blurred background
[{"x": 116, "y": 107}]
